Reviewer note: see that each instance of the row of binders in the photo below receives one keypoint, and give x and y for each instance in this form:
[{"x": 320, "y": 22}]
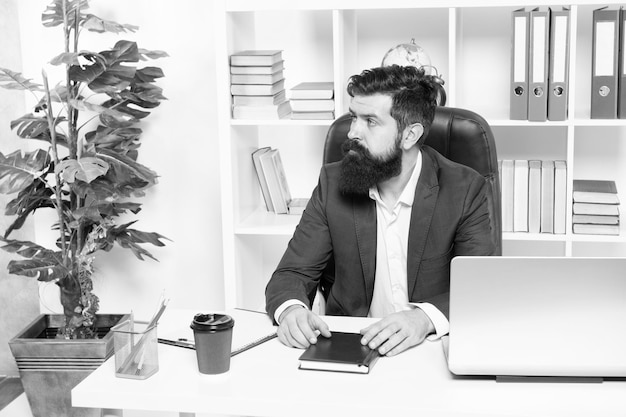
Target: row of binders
[
  {"x": 540, "y": 64},
  {"x": 273, "y": 182},
  {"x": 595, "y": 208},
  {"x": 533, "y": 195},
  {"x": 258, "y": 90}
]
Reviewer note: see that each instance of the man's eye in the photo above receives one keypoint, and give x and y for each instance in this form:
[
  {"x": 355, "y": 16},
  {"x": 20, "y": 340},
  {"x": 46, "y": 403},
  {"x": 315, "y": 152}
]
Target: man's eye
[{"x": 371, "y": 122}]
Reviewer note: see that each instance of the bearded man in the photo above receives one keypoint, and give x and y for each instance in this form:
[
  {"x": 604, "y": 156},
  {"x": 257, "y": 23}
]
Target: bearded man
[{"x": 383, "y": 224}]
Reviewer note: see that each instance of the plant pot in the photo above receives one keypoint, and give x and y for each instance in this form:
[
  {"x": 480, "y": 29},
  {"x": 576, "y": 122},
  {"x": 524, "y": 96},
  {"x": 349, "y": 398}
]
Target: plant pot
[{"x": 49, "y": 368}]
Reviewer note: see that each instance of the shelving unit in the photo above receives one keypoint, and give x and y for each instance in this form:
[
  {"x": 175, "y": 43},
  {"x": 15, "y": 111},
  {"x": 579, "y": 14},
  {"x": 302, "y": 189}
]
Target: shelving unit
[{"x": 325, "y": 40}]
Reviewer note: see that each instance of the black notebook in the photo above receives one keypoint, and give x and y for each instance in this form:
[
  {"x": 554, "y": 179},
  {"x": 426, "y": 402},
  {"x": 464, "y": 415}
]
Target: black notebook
[{"x": 342, "y": 352}]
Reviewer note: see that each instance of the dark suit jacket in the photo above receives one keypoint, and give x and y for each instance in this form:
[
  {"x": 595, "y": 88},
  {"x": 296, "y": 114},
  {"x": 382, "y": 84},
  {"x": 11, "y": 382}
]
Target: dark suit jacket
[{"x": 335, "y": 243}]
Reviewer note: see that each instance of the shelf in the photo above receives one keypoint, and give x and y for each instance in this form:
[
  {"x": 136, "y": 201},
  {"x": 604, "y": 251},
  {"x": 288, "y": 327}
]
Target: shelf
[{"x": 262, "y": 222}]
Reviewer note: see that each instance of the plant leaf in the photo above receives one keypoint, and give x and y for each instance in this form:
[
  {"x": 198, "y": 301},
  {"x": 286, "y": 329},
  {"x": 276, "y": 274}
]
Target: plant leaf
[
  {"x": 53, "y": 15},
  {"x": 42, "y": 263},
  {"x": 34, "y": 127},
  {"x": 95, "y": 24},
  {"x": 131, "y": 238},
  {"x": 85, "y": 169},
  {"x": 36, "y": 195},
  {"x": 103, "y": 111},
  {"x": 128, "y": 164},
  {"x": 67, "y": 58},
  {"x": 18, "y": 171},
  {"x": 146, "y": 54},
  {"x": 12, "y": 80}
]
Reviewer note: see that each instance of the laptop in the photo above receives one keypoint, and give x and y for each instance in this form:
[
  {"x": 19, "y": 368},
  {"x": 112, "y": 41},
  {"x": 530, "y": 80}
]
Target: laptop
[{"x": 537, "y": 317}]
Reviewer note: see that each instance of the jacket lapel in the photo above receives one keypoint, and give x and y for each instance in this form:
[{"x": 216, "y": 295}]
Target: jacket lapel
[
  {"x": 365, "y": 226},
  {"x": 422, "y": 212}
]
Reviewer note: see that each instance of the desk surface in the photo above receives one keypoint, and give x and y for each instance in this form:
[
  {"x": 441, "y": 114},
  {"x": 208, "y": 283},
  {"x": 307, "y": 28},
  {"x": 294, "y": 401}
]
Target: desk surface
[{"x": 266, "y": 381}]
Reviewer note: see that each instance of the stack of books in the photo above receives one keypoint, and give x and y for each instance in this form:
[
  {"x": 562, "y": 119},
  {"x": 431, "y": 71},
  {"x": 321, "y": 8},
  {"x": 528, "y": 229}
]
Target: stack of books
[
  {"x": 313, "y": 101},
  {"x": 273, "y": 181},
  {"x": 595, "y": 208},
  {"x": 258, "y": 85}
]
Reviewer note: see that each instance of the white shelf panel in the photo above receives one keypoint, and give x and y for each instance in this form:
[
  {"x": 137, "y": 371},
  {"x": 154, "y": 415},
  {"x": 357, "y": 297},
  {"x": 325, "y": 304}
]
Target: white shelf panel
[
  {"x": 281, "y": 122},
  {"x": 265, "y": 223}
]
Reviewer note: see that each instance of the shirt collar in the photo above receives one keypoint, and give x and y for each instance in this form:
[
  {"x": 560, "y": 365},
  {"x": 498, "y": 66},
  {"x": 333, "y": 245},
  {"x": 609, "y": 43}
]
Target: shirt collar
[{"x": 408, "y": 194}]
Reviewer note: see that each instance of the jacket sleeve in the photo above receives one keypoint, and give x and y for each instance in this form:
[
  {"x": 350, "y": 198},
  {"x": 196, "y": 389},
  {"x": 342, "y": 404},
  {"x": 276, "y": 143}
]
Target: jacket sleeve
[{"x": 308, "y": 252}]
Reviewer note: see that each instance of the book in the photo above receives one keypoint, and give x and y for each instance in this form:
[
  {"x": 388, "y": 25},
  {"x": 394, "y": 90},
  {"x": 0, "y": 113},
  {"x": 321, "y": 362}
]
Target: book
[
  {"x": 297, "y": 205},
  {"x": 274, "y": 175},
  {"x": 560, "y": 196},
  {"x": 270, "y": 111},
  {"x": 596, "y": 209},
  {"x": 520, "y": 195},
  {"x": 596, "y": 229},
  {"x": 257, "y": 57},
  {"x": 342, "y": 352},
  {"x": 534, "y": 196},
  {"x": 257, "y": 89},
  {"x": 256, "y": 155},
  {"x": 313, "y": 105},
  {"x": 312, "y": 115},
  {"x": 595, "y": 191},
  {"x": 507, "y": 172},
  {"x": 260, "y": 69},
  {"x": 256, "y": 78},
  {"x": 313, "y": 90},
  {"x": 260, "y": 100},
  {"x": 547, "y": 196},
  {"x": 594, "y": 219}
]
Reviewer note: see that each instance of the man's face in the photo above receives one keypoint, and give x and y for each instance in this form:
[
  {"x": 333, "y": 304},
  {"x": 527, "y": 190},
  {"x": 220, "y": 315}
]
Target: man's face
[{"x": 372, "y": 151}]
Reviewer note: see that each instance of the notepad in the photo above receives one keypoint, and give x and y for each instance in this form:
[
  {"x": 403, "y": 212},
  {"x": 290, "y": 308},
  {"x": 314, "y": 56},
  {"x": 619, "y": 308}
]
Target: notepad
[
  {"x": 251, "y": 329},
  {"x": 342, "y": 352}
]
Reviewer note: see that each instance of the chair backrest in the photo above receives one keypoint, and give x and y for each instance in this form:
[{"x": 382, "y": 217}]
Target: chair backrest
[{"x": 458, "y": 134}]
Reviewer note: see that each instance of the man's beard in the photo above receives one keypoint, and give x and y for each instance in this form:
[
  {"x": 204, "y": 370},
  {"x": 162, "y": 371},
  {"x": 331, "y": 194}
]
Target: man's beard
[{"x": 360, "y": 170}]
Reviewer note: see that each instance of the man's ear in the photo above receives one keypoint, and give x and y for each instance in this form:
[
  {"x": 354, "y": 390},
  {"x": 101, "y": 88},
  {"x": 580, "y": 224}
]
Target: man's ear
[{"x": 412, "y": 134}]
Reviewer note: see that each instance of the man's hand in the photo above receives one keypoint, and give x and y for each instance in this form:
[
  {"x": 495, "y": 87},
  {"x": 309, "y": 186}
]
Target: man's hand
[
  {"x": 398, "y": 331},
  {"x": 299, "y": 327}
]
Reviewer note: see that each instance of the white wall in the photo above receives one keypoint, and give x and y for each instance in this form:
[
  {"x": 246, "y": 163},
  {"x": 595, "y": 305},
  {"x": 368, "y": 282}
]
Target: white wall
[{"x": 178, "y": 143}]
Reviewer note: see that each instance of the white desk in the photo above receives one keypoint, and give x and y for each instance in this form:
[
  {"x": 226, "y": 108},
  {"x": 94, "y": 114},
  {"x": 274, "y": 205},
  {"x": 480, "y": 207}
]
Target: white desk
[{"x": 265, "y": 381}]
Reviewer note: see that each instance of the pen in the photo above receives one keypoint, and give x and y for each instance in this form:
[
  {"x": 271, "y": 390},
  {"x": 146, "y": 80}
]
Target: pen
[{"x": 177, "y": 343}]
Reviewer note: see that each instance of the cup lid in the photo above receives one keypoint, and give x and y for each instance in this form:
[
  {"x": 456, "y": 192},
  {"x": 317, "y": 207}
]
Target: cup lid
[{"x": 212, "y": 322}]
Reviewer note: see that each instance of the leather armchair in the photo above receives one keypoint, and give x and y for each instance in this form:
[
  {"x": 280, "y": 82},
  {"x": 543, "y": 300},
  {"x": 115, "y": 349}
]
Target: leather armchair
[{"x": 458, "y": 134}]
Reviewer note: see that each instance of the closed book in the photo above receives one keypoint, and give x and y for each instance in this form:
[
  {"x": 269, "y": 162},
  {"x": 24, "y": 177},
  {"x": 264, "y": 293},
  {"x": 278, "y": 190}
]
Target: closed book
[
  {"x": 560, "y": 197},
  {"x": 262, "y": 69},
  {"x": 297, "y": 205},
  {"x": 342, "y": 352},
  {"x": 547, "y": 196},
  {"x": 271, "y": 174},
  {"x": 534, "y": 196},
  {"x": 596, "y": 229},
  {"x": 313, "y": 115},
  {"x": 256, "y": 57},
  {"x": 257, "y": 89},
  {"x": 313, "y": 105},
  {"x": 595, "y": 191},
  {"x": 260, "y": 100},
  {"x": 256, "y": 78},
  {"x": 507, "y": 172},
  {"x": 269, "y": 112},
  {"x": 597, "y": 209},
  {"x": 520, "y": 196},
  {"x": 256, "y": 155},
  {"x": 594, "y": 219},
  {"x": 313, "y": 90}
]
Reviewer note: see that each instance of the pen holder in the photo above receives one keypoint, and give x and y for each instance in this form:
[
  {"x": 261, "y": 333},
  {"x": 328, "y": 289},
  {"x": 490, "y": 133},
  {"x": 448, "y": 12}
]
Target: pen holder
[{"x": 136, "y": 350}]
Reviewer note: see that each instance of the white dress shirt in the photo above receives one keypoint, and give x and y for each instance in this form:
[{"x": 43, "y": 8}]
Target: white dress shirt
[{"x": 390, "y": 285}]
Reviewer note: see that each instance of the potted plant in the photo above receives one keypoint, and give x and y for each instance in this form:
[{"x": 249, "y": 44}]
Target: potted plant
[{"x": 86, "y": 171}]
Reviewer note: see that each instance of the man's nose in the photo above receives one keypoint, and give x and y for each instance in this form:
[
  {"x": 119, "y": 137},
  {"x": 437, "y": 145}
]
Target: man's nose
[{"x": 353, "y": 133}]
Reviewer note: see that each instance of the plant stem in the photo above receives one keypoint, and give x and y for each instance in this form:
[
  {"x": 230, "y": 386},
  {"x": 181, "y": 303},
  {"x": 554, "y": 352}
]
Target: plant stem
[{"x": 55, "y": 155}]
